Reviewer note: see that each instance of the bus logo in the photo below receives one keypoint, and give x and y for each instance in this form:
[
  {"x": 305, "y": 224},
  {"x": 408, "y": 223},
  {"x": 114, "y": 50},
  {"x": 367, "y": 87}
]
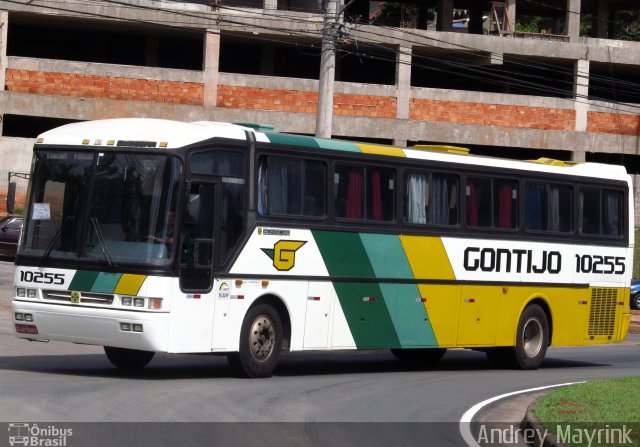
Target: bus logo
[
  {"x": 283, "y": 254},
  {"x": 75, "y": 297},
  {"x": 18, "y": 434}
]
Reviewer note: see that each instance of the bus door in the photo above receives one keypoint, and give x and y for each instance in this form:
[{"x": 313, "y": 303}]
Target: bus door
[{"x": 198, "y": 226}]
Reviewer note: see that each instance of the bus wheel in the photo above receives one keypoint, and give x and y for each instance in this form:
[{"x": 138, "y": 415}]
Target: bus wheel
[
  {"x": 130, "y": 359},
  {"x": 532, "y": 338},
  {"x": 419, "y": 357},
  {"x": 260, "y": 343}
]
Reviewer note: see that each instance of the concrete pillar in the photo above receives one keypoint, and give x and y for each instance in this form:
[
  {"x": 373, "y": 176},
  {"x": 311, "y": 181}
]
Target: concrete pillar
[
  {"x": 4, "y": 61},
  {"x": 324, "y": 115},
  {"x": 511, "y": 10},
  {"x": 445, "y": 15},
  {"x": 601, "y": 19},
  {"x": 270, "y": 4},
  {"x": 403, "y": 81},
  {"x": 581, "y": 93},
  {"x": 573, "y": 20},
  {"x": 579, "y": 155},
  {"x": 211, "y": 72}
]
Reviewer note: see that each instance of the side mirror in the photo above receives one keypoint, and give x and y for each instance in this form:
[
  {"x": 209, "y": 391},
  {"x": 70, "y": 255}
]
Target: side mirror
[{"x": 11, "y": 197}]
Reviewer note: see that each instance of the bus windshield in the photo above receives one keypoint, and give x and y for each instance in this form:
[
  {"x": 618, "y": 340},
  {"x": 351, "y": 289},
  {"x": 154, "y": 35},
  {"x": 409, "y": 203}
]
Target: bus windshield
[{"x": 102, "y": 207}]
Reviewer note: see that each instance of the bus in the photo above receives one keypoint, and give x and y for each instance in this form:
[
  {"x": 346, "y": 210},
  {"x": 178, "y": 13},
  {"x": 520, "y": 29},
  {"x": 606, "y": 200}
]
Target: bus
[{"x": 146, "y": 235}]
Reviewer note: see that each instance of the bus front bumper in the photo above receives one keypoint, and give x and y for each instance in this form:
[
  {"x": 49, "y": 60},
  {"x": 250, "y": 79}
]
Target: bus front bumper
[{"x": 147, "y": 331}]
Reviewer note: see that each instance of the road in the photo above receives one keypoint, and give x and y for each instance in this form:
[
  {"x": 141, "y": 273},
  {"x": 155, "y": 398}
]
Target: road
[{"x": 66, "y": 383}]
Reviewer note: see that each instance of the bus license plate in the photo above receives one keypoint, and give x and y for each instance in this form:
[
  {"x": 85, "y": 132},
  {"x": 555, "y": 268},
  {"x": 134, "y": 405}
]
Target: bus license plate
[{"x": 26, "y": 329}]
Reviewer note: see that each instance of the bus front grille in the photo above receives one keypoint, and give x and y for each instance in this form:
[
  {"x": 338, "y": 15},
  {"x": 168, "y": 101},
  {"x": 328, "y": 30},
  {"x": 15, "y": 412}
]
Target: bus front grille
[
  {"x": 103, "y": 299},
  {"x": 602, "y": 315}
]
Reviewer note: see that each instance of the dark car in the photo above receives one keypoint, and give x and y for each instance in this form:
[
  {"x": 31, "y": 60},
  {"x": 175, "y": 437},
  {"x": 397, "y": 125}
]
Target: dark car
[
  {"x": 635, "y": 294},
  {"x": 9, "y": 234}
]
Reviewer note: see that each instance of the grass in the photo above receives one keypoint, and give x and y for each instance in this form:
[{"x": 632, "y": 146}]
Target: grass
[{"x": 592, "y": 406}]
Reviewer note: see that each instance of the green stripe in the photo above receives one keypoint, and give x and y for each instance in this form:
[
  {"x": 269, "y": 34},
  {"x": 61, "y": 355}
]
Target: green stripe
[
  {"x": 106, "y": 282},
  {"x": 292, "y": 140},
  {"x": 310, "y": 142},
  {"x": 83, "y": 281},
  {"x": 408, "y": 314},
  {"x": 369, "y": 321}
]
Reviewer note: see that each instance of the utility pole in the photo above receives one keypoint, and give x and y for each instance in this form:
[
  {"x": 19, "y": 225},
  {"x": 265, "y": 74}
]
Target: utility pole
[{"x": 324, "y": 115}]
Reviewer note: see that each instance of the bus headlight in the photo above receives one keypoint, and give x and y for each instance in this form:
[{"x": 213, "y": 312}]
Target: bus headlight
[
  {"x": 154, "y": 303},
  {"x": 21, "y": 292},
  {"x": 31, "y": 293}
]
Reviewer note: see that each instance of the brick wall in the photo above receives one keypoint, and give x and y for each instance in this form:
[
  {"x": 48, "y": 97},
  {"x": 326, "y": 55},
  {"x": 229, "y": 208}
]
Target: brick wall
[
  {"x": 606, "y": 122},
  {"x": 307, "y": 102},
  {"x": 492, "y": 114},
  {"x": 108, "y": 87}
]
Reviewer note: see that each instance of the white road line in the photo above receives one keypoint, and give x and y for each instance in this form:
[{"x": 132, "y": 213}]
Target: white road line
[{"x": 467, "y": 417}]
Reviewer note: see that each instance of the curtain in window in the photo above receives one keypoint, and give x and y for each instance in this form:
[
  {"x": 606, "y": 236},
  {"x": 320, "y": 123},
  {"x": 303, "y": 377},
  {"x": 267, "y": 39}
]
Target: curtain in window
[
  {"x": 533, "y": 206},
  {"x": 440, "y": 200},
  {"x": 354, "y": 195},
  {"x": 417, "y": 198},
  {"x": 505, "y": 206},
  {"x": 278, "y": 197},
  {"x": 611, "y": 213}
]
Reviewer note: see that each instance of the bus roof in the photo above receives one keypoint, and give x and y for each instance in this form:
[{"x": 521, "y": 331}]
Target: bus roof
[{"x": 148, "y": 132}]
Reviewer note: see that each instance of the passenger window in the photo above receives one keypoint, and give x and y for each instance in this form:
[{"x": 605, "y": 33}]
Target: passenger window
[
  {"x": 431, "y": 199},
  {"x": 289, "y": 186},
  {"x": 364, "y": 193},
  {"x": 548, "y": 207},
  {"x": 221, "y": 163},
  {"x": 601, "y": 212}
]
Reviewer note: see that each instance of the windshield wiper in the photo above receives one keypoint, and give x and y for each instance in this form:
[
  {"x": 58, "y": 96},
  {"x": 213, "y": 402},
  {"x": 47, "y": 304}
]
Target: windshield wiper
[
  {"x": 103, "y": 246},
  {"x": 54, "y": 239}
]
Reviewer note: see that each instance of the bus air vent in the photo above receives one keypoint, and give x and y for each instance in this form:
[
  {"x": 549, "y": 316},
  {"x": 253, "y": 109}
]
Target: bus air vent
[{"x": 603, "y": 311}]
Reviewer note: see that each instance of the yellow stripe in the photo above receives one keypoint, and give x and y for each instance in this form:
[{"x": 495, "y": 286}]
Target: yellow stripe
[
  {"x": 130, "y": 284},
  {"x": 381, "y": 150}
]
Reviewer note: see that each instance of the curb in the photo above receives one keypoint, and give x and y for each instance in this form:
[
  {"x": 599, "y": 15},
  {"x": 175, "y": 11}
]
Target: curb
[{"x": 530, "y": 422}]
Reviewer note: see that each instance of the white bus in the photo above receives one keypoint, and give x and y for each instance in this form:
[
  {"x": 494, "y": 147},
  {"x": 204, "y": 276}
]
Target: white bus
[{"x": 148, "y": 236}]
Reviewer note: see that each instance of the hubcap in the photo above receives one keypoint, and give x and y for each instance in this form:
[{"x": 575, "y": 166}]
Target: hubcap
[
  {"x": 262, "y": 338},
  {"x": 532, "y": 337}
]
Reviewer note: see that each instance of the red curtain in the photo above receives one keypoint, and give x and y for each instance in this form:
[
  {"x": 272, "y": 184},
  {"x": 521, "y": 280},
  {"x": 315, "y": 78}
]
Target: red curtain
[
  {"x": 472, "y": 205},
  {"x": 505, "y": 206}
]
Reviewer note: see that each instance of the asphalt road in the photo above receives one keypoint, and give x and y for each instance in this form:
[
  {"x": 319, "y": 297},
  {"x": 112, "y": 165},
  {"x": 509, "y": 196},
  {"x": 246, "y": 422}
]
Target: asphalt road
[{"x": 66, "y": 383}]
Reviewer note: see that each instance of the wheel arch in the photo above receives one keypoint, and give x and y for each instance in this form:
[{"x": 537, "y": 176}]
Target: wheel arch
[
  {"x": 542, "y": 302},
  {"x": 278, "y": 304}
]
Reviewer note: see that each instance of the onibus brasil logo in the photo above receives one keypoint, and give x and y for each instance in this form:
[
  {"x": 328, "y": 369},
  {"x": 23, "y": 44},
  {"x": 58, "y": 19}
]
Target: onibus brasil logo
[
  {"x": 283, "y": 254},
  {"x": 33, "y": 435}
]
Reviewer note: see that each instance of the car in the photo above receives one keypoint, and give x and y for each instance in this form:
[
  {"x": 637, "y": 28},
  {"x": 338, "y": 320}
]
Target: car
[
  {"x": 635, "y": 294},
  {"x": 10, "y": 227}
]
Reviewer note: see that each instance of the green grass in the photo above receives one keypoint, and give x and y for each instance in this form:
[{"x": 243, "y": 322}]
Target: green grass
[{"x": 593, "y": 405}]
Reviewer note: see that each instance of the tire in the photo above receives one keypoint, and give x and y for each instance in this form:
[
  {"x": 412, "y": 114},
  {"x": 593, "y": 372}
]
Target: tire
[
  {"x": 419, "y": 357},
  {"x": 532, "y": 340},
  {"x": 128, "y": 359},
  {"x": 635, "y": 301},
  {"x": 260, "y": 343}
]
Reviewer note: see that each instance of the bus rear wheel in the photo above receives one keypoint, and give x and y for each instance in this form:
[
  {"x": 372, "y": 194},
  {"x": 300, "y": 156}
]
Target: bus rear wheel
[
  {"x": 260, "y": 343},
  {"x": 419, "y": 357},
  {"x": 129, "y": 359},
  {"x": 532, "y": 339}
]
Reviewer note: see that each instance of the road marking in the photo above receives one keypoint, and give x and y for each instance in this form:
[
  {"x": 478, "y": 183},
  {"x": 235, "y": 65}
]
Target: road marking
[{"x": 467, "y": 417}]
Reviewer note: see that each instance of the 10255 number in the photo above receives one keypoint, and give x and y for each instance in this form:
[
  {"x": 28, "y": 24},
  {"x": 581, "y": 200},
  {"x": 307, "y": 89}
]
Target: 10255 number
[
  {"x": 42, "y": 278},
  {"x": 600, "y": 264}
]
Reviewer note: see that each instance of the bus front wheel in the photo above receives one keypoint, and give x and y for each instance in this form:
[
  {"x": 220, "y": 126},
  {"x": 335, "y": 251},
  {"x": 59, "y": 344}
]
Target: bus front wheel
[
  {"x": 260, "y": 343},
  {"x": 129, "y": 359}
]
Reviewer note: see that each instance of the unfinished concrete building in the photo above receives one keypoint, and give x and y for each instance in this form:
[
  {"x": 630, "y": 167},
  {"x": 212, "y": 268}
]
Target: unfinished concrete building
[{"x": 458, "y": 72}]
